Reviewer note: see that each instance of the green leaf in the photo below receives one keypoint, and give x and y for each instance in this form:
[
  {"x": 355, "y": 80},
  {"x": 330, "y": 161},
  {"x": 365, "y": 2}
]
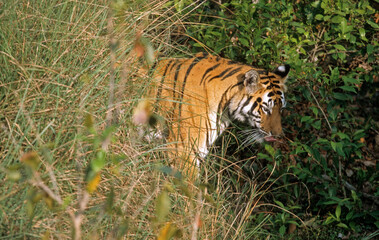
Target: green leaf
[
  {"x": 343, "y": 135},
  {"x": 372, "y": 24},
  {"x": 244, "y": 42},
  {"x": 308, "y": 149},
  {"x": 89, "y": 122},
  {"x": 359, "y": 134},
  {"x": 370, "y": 49},
  {"x": 315, "y": 4},
  {"x": 344, "y": 27},
  {"x": 314, "y": 110},
  {"x": 350, "y": 80},
  {"x": 162, "y": 206},
  {"x": 107, "y": 131},
  {"x": 341, "y": 96},
  {"x": 333, "y": 114},
  {"x": 338, "y": 148},
  {"x": 349, "y": 216},
  {"x": 319, "y": 17},
  {"x": 31, "y": 159},
  {"x": 349, "y": 89},
  {"x": 270, "y": 150},
  {"x": 342, "y": 225},
  {"x": 282, "y": 230},
  {"x": 317, "y": 124},
  {"x": 279, "y": 203},
  {"x": 337, "y": 19},
  {"x": 338, "y": 212},
  {"x": 13, "y": 174},
  {"x": 302, "y": 50},
  {"x": 352, "y": 39},
  {"x": 362, "y": 33},
  {"x": 264, "y": 156},
  {"x": 300, "y": 30},
  {"x": 339, "y": 47},
  {"x": 179, "y": 4},
  {"x": 98, "y": 163},
  {"x": 354, "y": 196},
  {"x": 329, "y": 219},
  {"x": 171, "y": 172},
  {"x": 306, "y": 119},
  {"x": 109, "y": 203}
]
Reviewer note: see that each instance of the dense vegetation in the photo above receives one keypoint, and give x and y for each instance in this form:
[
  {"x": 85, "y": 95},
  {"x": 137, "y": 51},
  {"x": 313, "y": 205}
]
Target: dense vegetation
[
  {"x": 326, "y": 168},
  {"x": 73, "y": 165}
]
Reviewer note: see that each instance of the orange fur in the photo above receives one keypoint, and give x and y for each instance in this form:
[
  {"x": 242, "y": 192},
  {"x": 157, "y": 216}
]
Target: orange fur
[{"x": 199, "y": 97}]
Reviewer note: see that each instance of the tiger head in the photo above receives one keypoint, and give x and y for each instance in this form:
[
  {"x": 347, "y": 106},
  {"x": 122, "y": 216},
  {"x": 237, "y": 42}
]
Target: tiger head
[{"x": 260, "y": 103}]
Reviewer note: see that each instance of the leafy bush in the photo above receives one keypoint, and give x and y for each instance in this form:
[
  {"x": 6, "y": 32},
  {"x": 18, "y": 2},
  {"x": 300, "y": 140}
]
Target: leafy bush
[{"x": 327, "y": 168}]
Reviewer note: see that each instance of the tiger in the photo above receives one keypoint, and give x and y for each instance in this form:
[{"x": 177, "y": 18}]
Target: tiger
[{"x": 200, "y": 97}]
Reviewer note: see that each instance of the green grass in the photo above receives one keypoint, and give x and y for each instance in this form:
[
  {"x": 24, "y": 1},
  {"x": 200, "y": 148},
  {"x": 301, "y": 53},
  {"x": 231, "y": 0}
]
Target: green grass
[{"x": 46, "y": 50}]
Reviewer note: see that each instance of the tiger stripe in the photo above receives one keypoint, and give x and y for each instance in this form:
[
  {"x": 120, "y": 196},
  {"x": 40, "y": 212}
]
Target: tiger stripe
[
  {"x": 231, "y": 73},
  {"x": 193, "y": 63},
  {"x": 220, "y": 75},
  {"x": 209, "y": 70}
]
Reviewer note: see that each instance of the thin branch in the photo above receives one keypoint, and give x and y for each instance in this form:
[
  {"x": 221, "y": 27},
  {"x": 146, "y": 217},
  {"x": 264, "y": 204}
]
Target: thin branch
[
  {"x": 196, "y": 221},
  {"x": 349, "y": 186},
  {"x": 77, "y": 217},
  {"x": 40, "y": 184},
  {"x": 112, "y": 46},
  {"x": 318, "y": 105},
  {"x": 283, "y": 209}
]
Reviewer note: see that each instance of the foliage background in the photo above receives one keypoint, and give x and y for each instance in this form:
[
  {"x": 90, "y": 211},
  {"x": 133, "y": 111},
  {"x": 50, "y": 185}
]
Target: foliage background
[
  {"x": 328, "y": 166},
  {"x": 65, "y": 65}
]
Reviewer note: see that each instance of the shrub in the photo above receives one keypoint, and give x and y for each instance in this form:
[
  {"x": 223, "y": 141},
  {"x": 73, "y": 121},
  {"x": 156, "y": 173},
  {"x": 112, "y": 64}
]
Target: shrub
[{"x": 327, "y": 168}]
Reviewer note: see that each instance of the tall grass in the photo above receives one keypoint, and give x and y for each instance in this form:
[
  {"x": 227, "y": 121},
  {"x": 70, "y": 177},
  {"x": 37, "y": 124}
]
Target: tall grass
[{"x": 56, "y": 59}]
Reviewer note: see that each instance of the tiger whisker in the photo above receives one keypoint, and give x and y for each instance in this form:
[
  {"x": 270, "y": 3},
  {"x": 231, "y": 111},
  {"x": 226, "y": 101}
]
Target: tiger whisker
[{"x": 251, "y": 136}]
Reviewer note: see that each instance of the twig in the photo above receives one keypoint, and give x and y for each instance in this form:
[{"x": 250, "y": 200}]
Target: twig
[
  {"x": 318, "y": 105},
  {"x": 283, "y": 209},
  {"x": 352, "y": 188},
  {"x": 112, "y": 45},
  {"x": 196, "y": 221},
  {"x": 40, "y": 184},
  {"x": 366, "y": 195},
  {"x": 78, "y": 216},
  {"x": 75, "y": 217}
]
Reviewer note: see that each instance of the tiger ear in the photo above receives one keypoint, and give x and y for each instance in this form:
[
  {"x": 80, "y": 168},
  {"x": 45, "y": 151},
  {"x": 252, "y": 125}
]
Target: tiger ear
[
  {"x": 251, "y": 81},
  {"x": 283, "y": 71}
]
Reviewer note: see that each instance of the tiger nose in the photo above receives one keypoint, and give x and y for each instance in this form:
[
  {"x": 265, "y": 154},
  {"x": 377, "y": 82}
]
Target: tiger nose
[
  {"x": 277, "y": 129},
  {"x": 276, "y": 123}
]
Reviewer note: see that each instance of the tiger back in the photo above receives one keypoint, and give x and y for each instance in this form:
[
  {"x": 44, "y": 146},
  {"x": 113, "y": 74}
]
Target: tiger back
[{"x": 199, "y": 97}]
